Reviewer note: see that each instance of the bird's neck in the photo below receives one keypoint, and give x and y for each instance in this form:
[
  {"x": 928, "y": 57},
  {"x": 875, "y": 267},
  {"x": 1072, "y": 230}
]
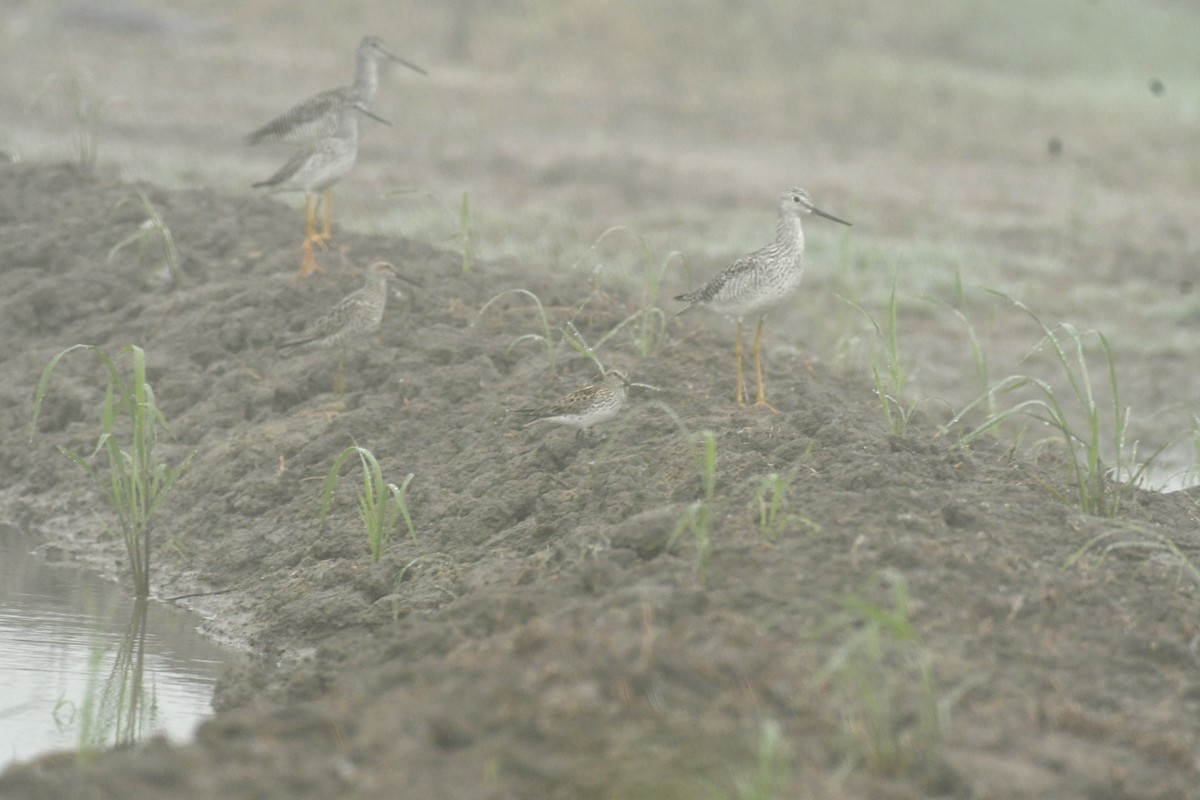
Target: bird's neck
[
  {"x": 788, "y": 233},
  {"x": 366, "y": 79},
  {"x": 377, "y": 283},
  {"x": 348, "y": 127}
]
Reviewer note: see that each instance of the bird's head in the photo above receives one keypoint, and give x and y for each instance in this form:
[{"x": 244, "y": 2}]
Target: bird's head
[
  {"x": 382, "y": 269},
  {"x": 616, "y": 377},
  {"x": 796, "y": 201},
  {"x": 373, "y": 48}
]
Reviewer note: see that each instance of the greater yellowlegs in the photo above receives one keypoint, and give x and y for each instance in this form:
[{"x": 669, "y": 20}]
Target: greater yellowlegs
[
  {"x": 584, "y": 407},
  {"x": 315, "y": 169},
  {"x": 319, "y": 117},
  {"x": 353, "y": 318},
  {"x": 756, "y": 283}
]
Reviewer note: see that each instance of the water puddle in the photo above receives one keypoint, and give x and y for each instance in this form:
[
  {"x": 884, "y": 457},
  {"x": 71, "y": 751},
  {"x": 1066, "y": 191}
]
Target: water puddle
[
  {"x": 1172, "y": 470},
  {"x": 84, "y": 665}
]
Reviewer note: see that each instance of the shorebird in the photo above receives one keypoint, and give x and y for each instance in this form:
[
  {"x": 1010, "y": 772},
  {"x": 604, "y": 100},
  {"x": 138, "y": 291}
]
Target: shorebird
[
  {"x": 315, "y": 169},
  {"x": 758, "y": 282},
  {"x": 318, "y": 117},
  {"x": 354, "y": 317},
  {"x": 584, "y": 407},
  {"x": 350, "y": 321}
]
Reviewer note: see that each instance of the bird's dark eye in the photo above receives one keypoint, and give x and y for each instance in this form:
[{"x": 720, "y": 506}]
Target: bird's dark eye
[{"x": 795, "y": 198}]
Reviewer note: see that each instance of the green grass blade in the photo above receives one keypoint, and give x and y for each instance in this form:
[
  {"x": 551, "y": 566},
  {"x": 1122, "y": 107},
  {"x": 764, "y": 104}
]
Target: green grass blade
[{"x": 331, "y": 483}]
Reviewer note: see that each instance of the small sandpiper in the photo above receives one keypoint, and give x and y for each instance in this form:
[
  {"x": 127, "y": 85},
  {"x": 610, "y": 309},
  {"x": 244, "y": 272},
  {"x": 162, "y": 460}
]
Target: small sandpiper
[
  {"x": 586, "y": 407},
  {"x": 757, "y": 283},
  {"x": 349, "y": 322},
  {"x": 353, "y": 318}
]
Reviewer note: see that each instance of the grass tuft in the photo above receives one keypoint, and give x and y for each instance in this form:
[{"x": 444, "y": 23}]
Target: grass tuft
[
  {"x": 1098, "y": 489},
  {"x": 135, "y": 482},
  {"x": 881, "y": 676},
  {"x": 647, "y": 325},
  {"x": 87, "y": 106},
  {"x": 697, "y": 517},
  {"x": 892, "y": 382},
  {"x": 152, "y": 229},
  {"x": 466, "y": 236},
  {"x": 770, "y": 499},
  {"x": 771, "y": 776},
  {"x": 380, "y": 504}
]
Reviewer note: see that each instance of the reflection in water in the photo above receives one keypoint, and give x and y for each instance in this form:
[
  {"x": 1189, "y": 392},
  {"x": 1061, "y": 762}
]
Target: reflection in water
[
  {"x": 120, "y": 714},
  {"x": 85, "y": 666}
]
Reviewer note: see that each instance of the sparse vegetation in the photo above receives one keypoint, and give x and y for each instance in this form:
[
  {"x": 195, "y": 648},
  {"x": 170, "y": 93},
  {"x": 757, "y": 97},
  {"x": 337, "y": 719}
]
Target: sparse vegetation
[
  {"x": 697, "y": 517},
  {"x": 882, "y": 679},
  {"x": 978, "y": 357},
  {"x": 135, "y": 482},
  {"x": 576, "y": 341},
  {"x": 1129, "y": 538},
  {"x": 547, "y": 337},
  {"x": 648, "y": 323},
  {"x": 153, "y": 229},
  {"x": 770, "y": 498},
  {"x": 891, "y": 384},
  {"x": 380, "y": 504},
  {"x": 466, "y": 235},
  {"x": 83, "y": 98},
  {"x": 773, "y": 771},
  {"x": 1099, "y": 490}
]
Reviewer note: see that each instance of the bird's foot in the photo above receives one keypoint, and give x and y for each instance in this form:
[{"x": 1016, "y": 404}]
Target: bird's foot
[
  {"x": 761, "y": 403},
  {"x": 589, "y": 438},
  {"x": 308, "y": 264}
]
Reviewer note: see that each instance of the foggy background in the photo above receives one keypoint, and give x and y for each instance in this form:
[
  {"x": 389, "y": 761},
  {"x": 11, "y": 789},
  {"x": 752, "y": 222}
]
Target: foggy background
[{"x": 1047, "y": 150}]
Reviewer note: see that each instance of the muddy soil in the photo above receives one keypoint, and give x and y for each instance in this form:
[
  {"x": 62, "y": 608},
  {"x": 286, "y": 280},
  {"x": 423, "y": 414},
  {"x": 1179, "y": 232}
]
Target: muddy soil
[
  {"x": 542, "y": 635},
  {"x": 548, "y": 630}
]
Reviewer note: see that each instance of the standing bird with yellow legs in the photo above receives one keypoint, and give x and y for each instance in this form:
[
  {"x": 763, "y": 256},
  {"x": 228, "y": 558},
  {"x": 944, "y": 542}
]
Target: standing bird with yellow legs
[
  {"x": 759, "y": 282},
  {"x": 319, "y": 117},
  {"x": 316, "y": 169}
]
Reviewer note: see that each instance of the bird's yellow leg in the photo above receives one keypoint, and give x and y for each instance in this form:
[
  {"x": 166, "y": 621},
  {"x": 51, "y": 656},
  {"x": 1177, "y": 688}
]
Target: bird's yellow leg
[
  {"x": 327, "y": 218},
  {"x": 741, "y": 378},
  {"x": 308, "y": 264},
  {"x": 761, "y": 400}
]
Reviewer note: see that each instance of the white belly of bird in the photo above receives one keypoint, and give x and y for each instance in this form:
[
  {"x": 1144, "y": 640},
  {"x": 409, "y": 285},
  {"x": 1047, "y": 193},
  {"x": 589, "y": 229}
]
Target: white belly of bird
[
  {"x": 758, "y": 293},
  {"x": 584, "y": 421},
  {"x": 326, "y": 174}
]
